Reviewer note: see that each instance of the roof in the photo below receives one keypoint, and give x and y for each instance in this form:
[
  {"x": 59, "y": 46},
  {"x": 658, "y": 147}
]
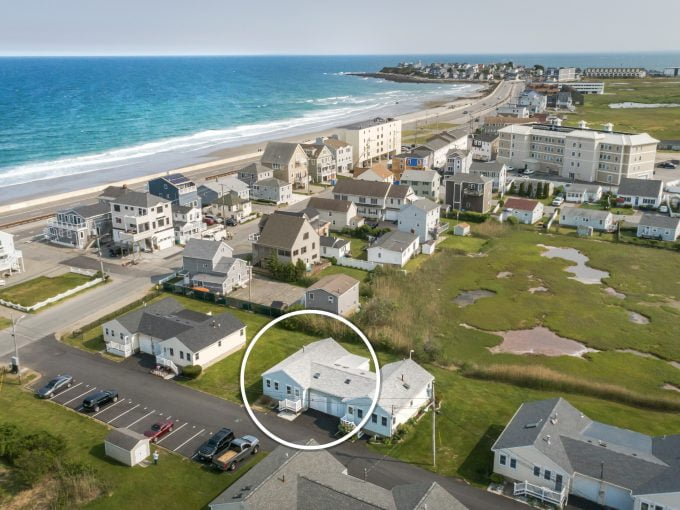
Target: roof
[
  {"x": 401, "y": 382},
  {"x": 139, "y": 199},
  {"x": 376, "y": 121},
  {"x": 273, "y": 182},
  {"x": 335, "y": 143},
  {"x": 398, "y": 191},
  {"x": 395, "y": 241},
  {"x": 111, "y": 192},
  {"x": 281, "y": 230},
  {"x": 336, "y": 284},
  {"x": 486, "y": 137},
  {"x": 659, "y": 221},
  {"x": 278, "y": 152},
  {"x": 581, "y": 188},
  {"x": 254, "y": 168},
  {"x": 226, "y": 184},
  {"x": 329, "y": 204},
  {"x": 424, "y": 204},
  {"x": 313, "y": 150},
  {"x": 332, "y": 242},
  {"x": 472, "y": 178},
  {"x": 486, "y": 166},
  {"x": 522, "y": 204},
  {"x": 125, "y": 438},
  {"x": 359, "y": 187},
  {"x": 89, "y": 211},
  {"x": 641, "y": 463},
  {"x": 230, "y": 199},
  {"x": 640, "y": 187},
  {"x": 419, "y": 176},
  {"x": 167, "y": 319},
  {"x": 571, "y": 213},
  {"x": 202, "y": 248}
]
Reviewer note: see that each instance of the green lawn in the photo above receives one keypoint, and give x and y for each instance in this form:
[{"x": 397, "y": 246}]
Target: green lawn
[
  {"x": 357, "y": 247},
  {"x": 420, "y": 134},
  {"x": 661, "y": 123},
  {"x": 359, "y": 274},
  {"x": 41, "y": 288},
  {"x": 627, "y": 211},
  {"x": 465, "y": 244},
  {"x": 175, "y": 483}
]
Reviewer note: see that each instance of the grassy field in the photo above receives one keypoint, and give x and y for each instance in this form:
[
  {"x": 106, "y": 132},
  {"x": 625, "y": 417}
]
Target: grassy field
[
  {"x": 41, "y": 288},
  {"x": 627, "y": 211},
  {"x": 424, "y": 131},
  {"x": 357, "y": 247},
  {"x": 131, "y": 488},
  {"x": 661, "y": 123},
  {"x": 359, "y": 274}
]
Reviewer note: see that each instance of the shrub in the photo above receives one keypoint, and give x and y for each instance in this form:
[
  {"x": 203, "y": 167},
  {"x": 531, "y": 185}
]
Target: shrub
[
  {"x": 512, "y": 220},
  {"x": 471, "y": 216},
  {"x": 192, "y": 371}
]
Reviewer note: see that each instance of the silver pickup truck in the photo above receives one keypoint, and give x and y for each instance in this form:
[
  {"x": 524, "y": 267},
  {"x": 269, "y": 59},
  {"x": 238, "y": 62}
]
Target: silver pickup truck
[{"x": 238, "y": 450}]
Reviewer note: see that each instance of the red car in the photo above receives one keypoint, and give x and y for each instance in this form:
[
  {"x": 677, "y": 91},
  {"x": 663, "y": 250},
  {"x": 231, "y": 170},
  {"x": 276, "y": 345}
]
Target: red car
[{"x": 158, "y": 430}]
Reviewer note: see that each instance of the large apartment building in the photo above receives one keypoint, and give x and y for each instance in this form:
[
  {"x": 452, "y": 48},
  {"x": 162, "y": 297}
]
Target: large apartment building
[
  {"x": 372, "y": 139},
  {"x": 614, "y": 72},
  {"x": 581, "y": 154}
]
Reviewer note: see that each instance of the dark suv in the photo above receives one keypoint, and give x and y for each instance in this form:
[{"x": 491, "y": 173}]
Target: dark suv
[
  {"x": 99, "y": 399},
  {"x": 217, "y": 442}
]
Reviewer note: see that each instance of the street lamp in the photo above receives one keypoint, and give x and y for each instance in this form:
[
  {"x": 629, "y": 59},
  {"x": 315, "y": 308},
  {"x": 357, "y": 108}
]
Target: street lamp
[{"x": 16, "y": 346}]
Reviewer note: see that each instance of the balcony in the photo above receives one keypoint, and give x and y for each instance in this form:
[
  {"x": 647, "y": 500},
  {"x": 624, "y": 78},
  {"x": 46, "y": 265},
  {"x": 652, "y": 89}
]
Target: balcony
[
  {"x": 439, "y": 229},
  {"x": 293, "y": 406},
  {"x": 64, "y": 225},
  {"x": 558, "y": 498}
]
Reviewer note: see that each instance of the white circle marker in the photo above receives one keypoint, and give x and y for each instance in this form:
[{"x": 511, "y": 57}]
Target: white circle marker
[{"x": 357, "y": 428}]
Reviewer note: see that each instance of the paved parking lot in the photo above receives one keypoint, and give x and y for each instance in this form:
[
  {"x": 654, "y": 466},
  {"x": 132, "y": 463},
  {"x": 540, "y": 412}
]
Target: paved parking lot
[{"x": 184, "y": 439}]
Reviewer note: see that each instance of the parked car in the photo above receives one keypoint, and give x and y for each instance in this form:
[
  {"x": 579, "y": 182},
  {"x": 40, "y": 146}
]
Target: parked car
[
  {"x": 509, "y": 168},
  {"x": 557, "y": 201},
  {"x": 159, "y": 429},
  {"x": 208, "y": 221},
  {"x": 231, "y": 222},
  {"x": 465, "y": 112},
  {"x": 100, "y": 399},
  {"x": 219, "y": 441},
  {"x": 667, "y": 164},
  {"x": 528, "y": 171},
  {"x": 55, "y": 386},
  {"x": 238, "y": 450},
  {"x": 663, "y": 209}
]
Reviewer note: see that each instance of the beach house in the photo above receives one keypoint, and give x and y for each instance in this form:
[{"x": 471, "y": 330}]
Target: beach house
[
  {"x": 289, "y": 237},
  {"x": 288, "y": 161},
  {"x": 211, "y": 265},
  {"x": 322, "y": 166},
  {"x": 78, "y": 227},
  {"x": 177, "y": 188},
  {"x": 372, "y": 140},
  {"x": 340, "y": 214},
  {"x": 11, "y": 259},
  {"x": 142, "y": 221}
]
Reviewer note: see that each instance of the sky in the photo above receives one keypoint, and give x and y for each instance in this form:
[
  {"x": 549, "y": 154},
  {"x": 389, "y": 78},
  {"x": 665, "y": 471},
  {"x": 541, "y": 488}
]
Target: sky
[{"x": 229, "y": 27}]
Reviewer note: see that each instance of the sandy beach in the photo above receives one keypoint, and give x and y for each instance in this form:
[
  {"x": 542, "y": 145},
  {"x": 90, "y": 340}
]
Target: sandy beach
[{"x": 46, "y": 196}]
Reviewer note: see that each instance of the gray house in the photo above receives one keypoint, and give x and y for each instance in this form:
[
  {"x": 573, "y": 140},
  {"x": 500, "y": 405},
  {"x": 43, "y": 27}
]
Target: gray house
[
  {"x": 79, "y": 226},
  {"x": 337, "y": 293},
  {"x": 272, "y": 190},
  {"x": 253, "y": 173},
  {"x": 293, "y": 479},
  {"x": 211, "y": 265},
  {"x": 646, "y": 193},
  {"x": 656, "y": 226}
]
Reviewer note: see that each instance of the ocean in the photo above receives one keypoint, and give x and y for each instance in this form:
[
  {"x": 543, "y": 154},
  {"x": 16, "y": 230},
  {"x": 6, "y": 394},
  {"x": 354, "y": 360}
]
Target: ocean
[{"x": 63, "y": 117}]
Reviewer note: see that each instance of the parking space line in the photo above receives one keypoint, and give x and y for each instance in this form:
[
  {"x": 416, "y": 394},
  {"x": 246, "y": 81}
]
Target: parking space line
[
  {"x": 107, "y": 408},
  {"x": 81, "y": 395},
  {"x": 147, "y": 414},
  {"x": 124, "y": 413},
  {"x": 192, "y": 437},
  {"x": 67, "y": 389},
  {"x": 171, "y": 433}
]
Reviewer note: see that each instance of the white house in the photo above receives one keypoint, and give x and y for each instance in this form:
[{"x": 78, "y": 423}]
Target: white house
[
  {"x": 127, "y": 446},
  {"x": 142, "y": 221},
  {"x": 377, "y": 172},
  {"x": 646, "y": 193},
  {"x": 325, "y": 377},
  {"x": 513, "y": 110},
  {"x": 656, "y": 226},
  {"x": 525, "y": 210},
  {"x": 272, "y": 190},
  {"x": 582, "y": 193},
  {"x": 484, "y": 147},
  {"x": 395, "y": 247},
  {"x": 425, "y": 183},
  {"x": 11, "y": 259},
  {"x": 334, "y": 247},
  {"x": 175, "y": 336},
  {"x": 421, "y": 218},
  {"x": 577, "y": 217},
  {"x": 458, "y": 162},
  {"x": 342, "y": 152},
  {"x": 336, "y": 293},
  {"x": 551, "y": 450},
  {"x": 340, "y": 214},
  {"x": 494, "y": 170},
  {"x": 187, "y": 221}
]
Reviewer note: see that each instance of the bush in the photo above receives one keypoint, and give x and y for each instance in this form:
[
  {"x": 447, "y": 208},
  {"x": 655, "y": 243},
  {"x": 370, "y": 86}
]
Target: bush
[
  {"x": 471, "y": 216},
  {"x": 364, "y": 232},
  {"x": 512, "y": 220},
  {"x": 192, "y": 371}
]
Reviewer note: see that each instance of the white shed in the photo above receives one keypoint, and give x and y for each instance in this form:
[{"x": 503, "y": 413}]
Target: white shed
[
  {"x": 461, "y": 229},
  {"x": 126, "y": 446}
]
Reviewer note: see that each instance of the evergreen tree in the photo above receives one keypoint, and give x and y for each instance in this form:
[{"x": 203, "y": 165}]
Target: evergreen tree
[
  {"x": 513, "y": 188},
  {"x": 539, "y": 190},
  {"x": 522, "y": 191},
  {"x": 530, "y": 190}
]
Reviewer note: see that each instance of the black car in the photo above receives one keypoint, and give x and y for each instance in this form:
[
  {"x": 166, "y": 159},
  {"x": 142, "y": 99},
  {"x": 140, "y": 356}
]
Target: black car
[
  {"x": 667, "y": 164},
  {"x": 231, "y": 222},
  {"x": 59, "y": 383},
  {"x": 101, "y": 398},
  {"x": 217, "y": 442}
]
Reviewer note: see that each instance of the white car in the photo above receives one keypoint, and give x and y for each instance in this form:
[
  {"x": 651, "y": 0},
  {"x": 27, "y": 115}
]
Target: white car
[
  {"x": 557, "y": 201},
  {"x": 529, "y": 172}
]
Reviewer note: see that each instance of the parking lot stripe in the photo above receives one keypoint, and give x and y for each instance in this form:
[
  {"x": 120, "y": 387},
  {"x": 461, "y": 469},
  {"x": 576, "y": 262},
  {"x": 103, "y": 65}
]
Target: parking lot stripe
[
  {"x": 171, "y": 433},
  {"x": 192, "y": 437},
  {"x": 67, "y": 389},
  {"x": 123, "y": 413},
  {"x": 147, "y": 414},
  {"x": 81, "y": 395},
  {"x": 107, "y": 408}
]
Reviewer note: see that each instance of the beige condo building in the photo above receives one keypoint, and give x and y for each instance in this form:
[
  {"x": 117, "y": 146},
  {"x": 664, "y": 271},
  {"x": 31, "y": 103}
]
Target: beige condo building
[{"x": 372, "y": 140}]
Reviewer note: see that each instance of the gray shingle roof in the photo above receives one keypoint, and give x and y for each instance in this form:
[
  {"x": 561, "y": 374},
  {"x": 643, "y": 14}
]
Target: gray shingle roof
[
  {"x": 360, "y": 187},
  {"x": 395, "y": 240},
  {"x": 659, "y": 221},
  {"x": 281, "y": 230},
  {"x": 278, "y": 152},
  {"x": 376, "y": 121},
  {"x": 332, "y": 242},
  {"x": 399, "y": 191},
  {"x": 336, "y": 284},
  {"x": 139, "y": 199},
  {"x": 124, "y": 438},
  {"x": 640, "y": 187},
  {"x": 330, "y": 204},
  {"x": 419, "y": 176},
  {"x": 272, "y": 182},
  {"x": 486, "y": 137},
  {"x": 571, "y": 213},
  {"x": 402, "y": 381},
  {"x": 202, "y": 248},
  {"x": 255, "y": 169},
  {"x": 425, "y": 204},
  {"x": 92, "y": 210},
  {"x": 489, "y": 166},
  {"x": 471, "y": 178}
]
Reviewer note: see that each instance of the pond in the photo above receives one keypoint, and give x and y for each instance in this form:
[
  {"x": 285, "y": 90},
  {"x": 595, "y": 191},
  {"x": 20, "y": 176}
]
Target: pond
[
  {"x": 469, "y": 297},
  {"x": 617, "y": 106},
  {"x": 539, "y": 340},
  {"x": 582, "y": 273}
]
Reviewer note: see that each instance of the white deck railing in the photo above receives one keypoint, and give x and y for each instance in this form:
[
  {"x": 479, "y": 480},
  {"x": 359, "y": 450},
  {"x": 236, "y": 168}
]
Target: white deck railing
[
  {"x": 168, "y": 363},
  {"x": 348, "y": 421},
  {"x": 542, "y": 493},
  {"x": 294, "y": 406}
]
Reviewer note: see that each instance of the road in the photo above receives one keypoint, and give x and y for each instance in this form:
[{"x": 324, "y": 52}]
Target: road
[{"x": 203, "y": 413}]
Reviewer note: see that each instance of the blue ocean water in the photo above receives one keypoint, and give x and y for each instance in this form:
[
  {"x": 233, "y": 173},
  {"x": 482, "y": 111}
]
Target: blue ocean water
[{"x": 66, "y": 116}]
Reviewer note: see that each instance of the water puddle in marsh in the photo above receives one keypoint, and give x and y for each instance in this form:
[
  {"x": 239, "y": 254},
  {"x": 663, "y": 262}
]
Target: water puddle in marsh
[
  {"x": 582, "y": 272},
  {"x": 469, "y": 297}
]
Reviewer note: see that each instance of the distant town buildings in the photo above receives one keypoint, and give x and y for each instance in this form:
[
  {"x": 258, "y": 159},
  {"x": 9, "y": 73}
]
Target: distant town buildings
[{"x": 614, "y": 72}]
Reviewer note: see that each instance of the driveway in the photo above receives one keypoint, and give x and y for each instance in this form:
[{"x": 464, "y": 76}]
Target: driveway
[{"x": 264, "y": 291}]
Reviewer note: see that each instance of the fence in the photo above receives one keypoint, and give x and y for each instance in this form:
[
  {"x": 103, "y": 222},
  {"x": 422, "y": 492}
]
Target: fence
[
  {"x": 542, "y": 493},
  {"x": 356, "y": 263},
  {"x": 53, "y": 299}
]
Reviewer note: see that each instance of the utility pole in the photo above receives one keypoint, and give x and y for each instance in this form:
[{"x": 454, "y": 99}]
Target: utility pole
[
  {"x": 434, "y": 444},
  {"x": 16, "y": 346},
  {"x": 250, "y": 286},
  {"x": 99, "y": 249}
]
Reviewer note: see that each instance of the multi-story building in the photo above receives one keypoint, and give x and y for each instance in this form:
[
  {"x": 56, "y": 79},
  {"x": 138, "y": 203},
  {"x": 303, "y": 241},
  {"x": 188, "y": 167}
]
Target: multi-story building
[
  {"x": 614, "y": 72},
  {"x": 77, "y": 227},
  {"x": 289, "y": 237},
  {"x": 177, "y": 188},
  {"x": 11, "y": 259},
  {"x": 340, "y": 214},
  {"x": 211, "y": 265},
  {"x": 497, "y": 171},
  {"x": 535, "y": 102},
  {"x": 467, "y": 192},
  {"x": 484, "y": 147},
  {"x": 581, "y": 154},
  {"x": 495, "y": 122},
  {"x": 322, "y": 166},
  {"x": 513, "y": 110},
  {"x": 457, "y": 162},
  {"x": 342, "y": 152},
  {"x": 419, "y": 158},
  {"x": 561, "y": 74},
  {"x": 187, "y": 221},
  {"x": 586, "y": 87},
  {"x": 254, "y": 172},
  {"x": 375, "y": 200},
  {"x": 272, "y": 190},
  {"x": 671, "y": 71},
  {"x": 421, "y": 218},
  {"x": 372, "y": 139},
  {"x": 289, "y": 162},
  {"x": 142, "y": 221},
  {"x": 425, "y": 183}
]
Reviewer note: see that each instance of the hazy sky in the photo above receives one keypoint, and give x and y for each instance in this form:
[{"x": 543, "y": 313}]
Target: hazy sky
[{"x": 102, "y": 27}]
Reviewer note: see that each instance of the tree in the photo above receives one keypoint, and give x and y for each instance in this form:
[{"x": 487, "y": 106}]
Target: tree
[
  {"x": 300, "y": 269},
  {"x": 530, "y": 190},
  {"x": 522, "y": 191},
  {"x": 513, "y": 188}
]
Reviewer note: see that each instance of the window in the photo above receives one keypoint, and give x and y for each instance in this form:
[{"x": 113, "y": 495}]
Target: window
[
  {"x": 331, "y": 299},
  {"x": 513, "y": 463},
  {"x": 374, "y": 418},
  {"x": 172, "y": 351},
  {"x": 503, "y": 460},
  {"x": 219, "y": 343},
  {"x": 268, "y": 383},
  {"x": 305, "y": 235},
  {"x": 121, "y": 336},
  {"x": 547, "y": 474},
  {"x": 311, "y": 296},
  {"x": 107, "y": 331},
  {"x": 289, "y": 390},
  {"x": 116, "y": 207},
  {"x": 196, "y": 356},
  {"x": 181, "y": 354},
  {"x": 537, "y": 471},
  {"x": 276, "y": 385},
  {"x": 297, "y": 392},
  {"x": 383, "y": 420}
]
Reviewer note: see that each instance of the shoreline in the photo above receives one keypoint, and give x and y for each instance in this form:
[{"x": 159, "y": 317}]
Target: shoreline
[
  {"x": 241, "y": 153},
  {"x": 407, "y": 78}
]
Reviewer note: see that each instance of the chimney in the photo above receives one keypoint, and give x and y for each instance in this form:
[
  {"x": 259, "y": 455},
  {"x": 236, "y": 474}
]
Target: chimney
[
  {"x": 582, "y": 124},
  {"x": 608, "y": 127}
]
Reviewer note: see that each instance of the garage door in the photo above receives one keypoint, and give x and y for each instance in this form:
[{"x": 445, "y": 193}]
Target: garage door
[
  {"x": 335, "y": 408},
  {"x": 317, "y": 401}
]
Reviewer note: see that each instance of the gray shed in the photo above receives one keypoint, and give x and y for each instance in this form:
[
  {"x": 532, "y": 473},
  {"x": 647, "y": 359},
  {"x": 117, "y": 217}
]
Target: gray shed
[{"x": 127, "y": 446}]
